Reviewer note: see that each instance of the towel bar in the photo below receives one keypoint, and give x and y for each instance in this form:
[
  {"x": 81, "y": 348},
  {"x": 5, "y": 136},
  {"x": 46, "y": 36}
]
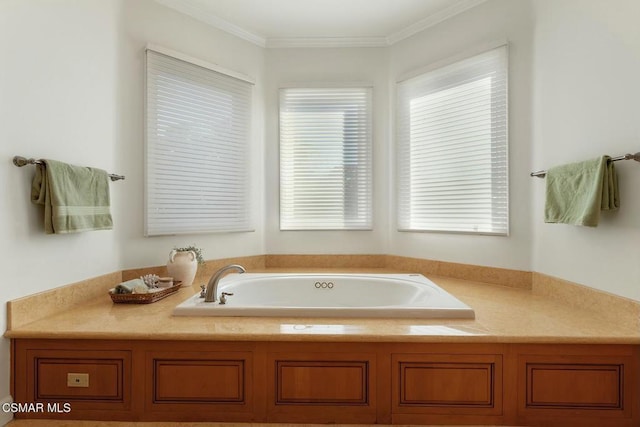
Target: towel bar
[
  {"x": 636, "y": 157},
  {"x": 23, "y": 161}
]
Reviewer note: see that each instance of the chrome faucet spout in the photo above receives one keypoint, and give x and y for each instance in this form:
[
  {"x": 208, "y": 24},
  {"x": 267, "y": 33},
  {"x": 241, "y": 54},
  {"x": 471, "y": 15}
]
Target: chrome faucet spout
[{"x": 211, "y": 294}]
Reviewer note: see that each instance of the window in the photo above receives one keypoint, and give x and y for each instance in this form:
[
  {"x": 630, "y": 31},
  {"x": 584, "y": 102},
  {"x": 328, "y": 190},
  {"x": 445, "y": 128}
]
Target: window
[
  {"x": 325, "y": 159},
  {"x": 452, "y": 147},
  {"x": 197, "y": 148}
]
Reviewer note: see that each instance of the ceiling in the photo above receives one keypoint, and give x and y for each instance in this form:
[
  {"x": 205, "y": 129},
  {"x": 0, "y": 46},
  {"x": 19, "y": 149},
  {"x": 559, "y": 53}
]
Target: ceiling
[{"x": 321, "y": 23}]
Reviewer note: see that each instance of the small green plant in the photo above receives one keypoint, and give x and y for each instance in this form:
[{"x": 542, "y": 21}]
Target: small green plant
[{"x": 196, "y": 250}]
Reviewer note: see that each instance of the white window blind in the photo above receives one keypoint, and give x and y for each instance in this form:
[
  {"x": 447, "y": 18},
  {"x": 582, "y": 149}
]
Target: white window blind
[
  {"x": 197, "y": 149},
  {"x": 452, "y": 147},
  {"x": 325, "y": 159}
]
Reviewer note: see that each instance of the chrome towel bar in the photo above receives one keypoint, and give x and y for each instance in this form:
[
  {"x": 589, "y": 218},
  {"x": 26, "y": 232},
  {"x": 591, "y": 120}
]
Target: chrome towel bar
[
  {"x": 23, "y": 161},
  {"x": 636, "y": 157}
]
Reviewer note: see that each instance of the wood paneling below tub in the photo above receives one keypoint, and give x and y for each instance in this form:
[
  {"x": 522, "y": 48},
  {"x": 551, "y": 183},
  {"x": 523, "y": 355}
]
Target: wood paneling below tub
[{"x": 294, "y": 382}]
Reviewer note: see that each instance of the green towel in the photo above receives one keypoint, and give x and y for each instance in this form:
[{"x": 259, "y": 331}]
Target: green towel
[
  {"x": 577, "y": 192},
  {"x": 75, "y": 198}
]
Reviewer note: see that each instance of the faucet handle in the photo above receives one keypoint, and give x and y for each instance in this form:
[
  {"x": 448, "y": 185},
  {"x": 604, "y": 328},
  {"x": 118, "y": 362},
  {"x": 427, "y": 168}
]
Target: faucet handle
[
  {"x": 223, "y": 297},
  {"x": 203, "y": 291}
]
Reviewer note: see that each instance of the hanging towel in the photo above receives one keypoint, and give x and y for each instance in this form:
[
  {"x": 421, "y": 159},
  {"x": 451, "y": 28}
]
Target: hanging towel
[
  {"x": 577, "y": 192},
  {"x": 75, "y": 198}
]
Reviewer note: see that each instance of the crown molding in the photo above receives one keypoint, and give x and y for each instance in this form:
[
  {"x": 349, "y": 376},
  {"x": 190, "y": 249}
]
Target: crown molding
[
  {"x": 215, "y": 21},
  {"x": 193, "y": 10},
  {"x": 326, "y": 42},
  {"x": 433, "y": 20}
]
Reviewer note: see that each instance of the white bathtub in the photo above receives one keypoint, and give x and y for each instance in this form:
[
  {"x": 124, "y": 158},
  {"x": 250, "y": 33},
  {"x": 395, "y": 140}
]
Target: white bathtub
[{"x": 329, "y": 295}]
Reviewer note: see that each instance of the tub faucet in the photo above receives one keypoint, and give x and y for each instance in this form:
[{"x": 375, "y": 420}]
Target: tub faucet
[{"x": 211, "y": 294}]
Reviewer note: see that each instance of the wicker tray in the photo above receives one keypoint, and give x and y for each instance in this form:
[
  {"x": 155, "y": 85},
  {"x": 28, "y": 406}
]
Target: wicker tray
[{"x": 147, "y": 298}]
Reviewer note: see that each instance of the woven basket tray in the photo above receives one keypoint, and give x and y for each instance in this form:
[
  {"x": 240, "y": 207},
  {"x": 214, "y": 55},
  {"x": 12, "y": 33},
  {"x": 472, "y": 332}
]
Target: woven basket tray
[{"x": 147, "y": 298}]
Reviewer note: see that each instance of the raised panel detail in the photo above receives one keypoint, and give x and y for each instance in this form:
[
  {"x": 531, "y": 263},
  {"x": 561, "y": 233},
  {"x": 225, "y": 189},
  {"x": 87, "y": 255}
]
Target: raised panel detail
[
  {"x": 574, "y": 386},
  {"x": 447, "y": 384},
  {"x": 199, "y": 381},
  {"x": 457, "y": 385},
  {"x": 322, "y": 382},
  {"x": 105, "y": 379}
]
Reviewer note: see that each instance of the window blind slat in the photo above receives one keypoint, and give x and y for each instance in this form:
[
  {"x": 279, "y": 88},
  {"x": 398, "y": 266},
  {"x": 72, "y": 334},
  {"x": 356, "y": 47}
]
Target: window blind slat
[
  {"x": 197, "y": 146},
  {"x": 452, "y": 147},
  {"x": 325, "y": 158}
]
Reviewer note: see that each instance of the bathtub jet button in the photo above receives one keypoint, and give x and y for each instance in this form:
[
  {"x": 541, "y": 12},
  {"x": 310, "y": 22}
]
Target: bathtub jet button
[{"x": 323, "y": 285}]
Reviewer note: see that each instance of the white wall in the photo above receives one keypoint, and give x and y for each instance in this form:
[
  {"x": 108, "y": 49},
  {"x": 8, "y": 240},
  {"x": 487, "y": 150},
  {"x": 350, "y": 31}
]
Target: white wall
[
  {"x": 498, "y": 20},
  {"x": 587, "y": 103},
  {"x": 144, "y": 21},
  {"x": 300, "y": 66},
  {"x": 58, "y": 87}
]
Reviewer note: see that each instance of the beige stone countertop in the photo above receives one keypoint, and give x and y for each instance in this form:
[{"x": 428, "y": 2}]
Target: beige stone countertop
[{"x": 503, "y": 315}]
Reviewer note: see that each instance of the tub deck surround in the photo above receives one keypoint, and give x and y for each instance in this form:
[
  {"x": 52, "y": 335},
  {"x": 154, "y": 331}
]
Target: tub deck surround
[
  {"x": 526, "y": 359},
  {"x": 27, "y": 309},
  {"x": 611, "y": 308},
  {"x": 503, "y": 315}
]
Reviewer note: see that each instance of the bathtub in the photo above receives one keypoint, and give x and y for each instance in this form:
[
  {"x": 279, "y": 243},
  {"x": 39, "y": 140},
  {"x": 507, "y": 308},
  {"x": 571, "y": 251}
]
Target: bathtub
[{"x": 329, "y": 295}]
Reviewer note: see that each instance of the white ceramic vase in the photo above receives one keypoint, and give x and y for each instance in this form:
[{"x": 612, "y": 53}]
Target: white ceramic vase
[{"x": 182, "y": 266}]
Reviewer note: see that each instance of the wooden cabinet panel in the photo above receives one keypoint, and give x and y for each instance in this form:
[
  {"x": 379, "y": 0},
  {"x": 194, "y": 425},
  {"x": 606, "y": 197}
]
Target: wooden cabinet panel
[
  {"x": 108, "y": 386},
  {"x": 41, "y": 375},
  {"x": 322, "y": 382},
  {"x": 592, "y": 387},
  {"x": 320, "y": 386},
  {"x": 447, "y": 384},
  {"x": 213, "y": 381},
  {"x": 105, "y": 379},
  {"x": 200, "y": 385},
  {"x": 574, "y": 386}
]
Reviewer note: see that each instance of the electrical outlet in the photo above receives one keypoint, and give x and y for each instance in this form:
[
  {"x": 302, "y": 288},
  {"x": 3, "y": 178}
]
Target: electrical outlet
[{"x": 77, "y": 380}]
